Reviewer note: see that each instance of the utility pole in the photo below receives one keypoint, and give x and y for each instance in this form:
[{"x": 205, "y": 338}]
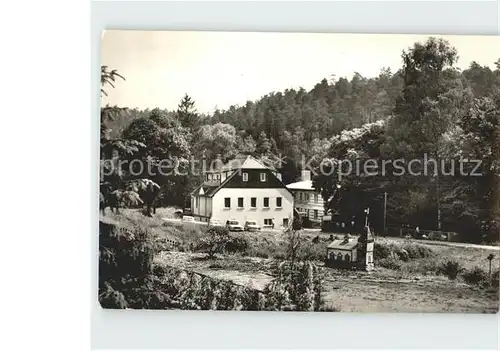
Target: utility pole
[{"x": 385, "y": 213}]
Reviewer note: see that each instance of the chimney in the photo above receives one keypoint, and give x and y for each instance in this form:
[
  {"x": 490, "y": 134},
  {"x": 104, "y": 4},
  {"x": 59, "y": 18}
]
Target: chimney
[{"x": 305, "y": 175}]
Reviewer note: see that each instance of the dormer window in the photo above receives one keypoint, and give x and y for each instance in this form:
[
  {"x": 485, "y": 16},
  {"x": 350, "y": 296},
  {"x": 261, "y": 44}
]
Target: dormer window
[
  {"x": 245, "y": 177},
  {"x": 262, "y": 177}
]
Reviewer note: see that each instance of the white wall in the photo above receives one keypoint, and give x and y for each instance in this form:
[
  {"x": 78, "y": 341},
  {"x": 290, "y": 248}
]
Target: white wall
[
  {"x": 310, "y": 204},
  {"x": 259, "y": 213},
  {"x": 204, "y": 207}
]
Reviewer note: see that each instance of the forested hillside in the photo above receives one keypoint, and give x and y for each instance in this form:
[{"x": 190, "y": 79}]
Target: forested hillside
[{"x": 428, "y": 107}]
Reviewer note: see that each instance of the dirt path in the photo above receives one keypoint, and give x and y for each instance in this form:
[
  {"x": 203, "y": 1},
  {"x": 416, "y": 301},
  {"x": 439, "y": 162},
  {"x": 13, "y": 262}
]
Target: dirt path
[{"x": 420, "y": 295}]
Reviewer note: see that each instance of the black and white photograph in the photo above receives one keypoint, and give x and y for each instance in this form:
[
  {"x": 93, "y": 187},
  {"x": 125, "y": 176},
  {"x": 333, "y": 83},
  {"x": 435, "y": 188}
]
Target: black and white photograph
[{"x": 314, "y": 172}]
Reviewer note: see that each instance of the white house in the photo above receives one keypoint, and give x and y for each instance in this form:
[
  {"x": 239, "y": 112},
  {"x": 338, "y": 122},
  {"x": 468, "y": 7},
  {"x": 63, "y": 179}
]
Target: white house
[
  {"x": 243, "y": 189},
  {"x": 308, "y": 202}
]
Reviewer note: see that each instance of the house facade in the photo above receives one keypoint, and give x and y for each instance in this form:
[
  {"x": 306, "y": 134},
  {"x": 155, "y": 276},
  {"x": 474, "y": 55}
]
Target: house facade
[
  {"x": 307, "y": 201},
  {"x": 243, "y": 189}
]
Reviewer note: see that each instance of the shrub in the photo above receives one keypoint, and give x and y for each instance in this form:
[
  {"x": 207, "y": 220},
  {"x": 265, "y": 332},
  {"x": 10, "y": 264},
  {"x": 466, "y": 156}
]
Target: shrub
[
  {"x": 236, "y": 244},
  {"x": 125, "y": 267},
  {"x": 215, "y": 242},
  {"x": 306, "y": 223},
  {"x": 390, "y": 263},
  {"x": 494, "y": 279},
  {"x": 297, "y": 223},
  {"x": 451, "y": 269},
  {"x": 474, "y": 276},
  {"x": 402, "y": 254},
  {"x": 297, "y": 287},
  {"x": 279, "y": 256},
  {"x": 405, "y": 252},
  {"x": 381, "y": 250},
  {"x": 418, "y": 251},
  {"x": 314, "y": 252}
]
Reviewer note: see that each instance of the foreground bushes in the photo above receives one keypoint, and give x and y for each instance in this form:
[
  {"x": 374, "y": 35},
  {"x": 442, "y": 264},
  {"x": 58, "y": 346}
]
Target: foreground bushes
[
  {"x": 474, "y": 276},
  {"x": 128, "y": 279},
  {"x": 404, "y": 252},
  {"x": 450, "y": 269},
  {"x": 125, "y": 266},
  {"x": 297, "y": 289}
]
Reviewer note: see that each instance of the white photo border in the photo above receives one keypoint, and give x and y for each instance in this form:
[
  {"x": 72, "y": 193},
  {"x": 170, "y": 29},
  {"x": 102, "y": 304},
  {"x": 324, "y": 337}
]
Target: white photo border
[{"x": 209, "y": 329}]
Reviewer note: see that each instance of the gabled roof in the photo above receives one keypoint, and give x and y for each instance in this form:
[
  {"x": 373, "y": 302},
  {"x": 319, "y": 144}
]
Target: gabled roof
[
  {"x": 302, "y": 185},
  {"x": 241, "y": 161},
  {"x": 210, "y": 188},
  {"x": 207, "y": 188},
  {"x": 341, "y": 244}
]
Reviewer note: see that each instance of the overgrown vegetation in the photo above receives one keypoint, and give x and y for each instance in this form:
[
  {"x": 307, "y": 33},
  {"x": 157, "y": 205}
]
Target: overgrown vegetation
[
  {"x": 129, "y": 279},
  {"x": 474, "y": 276},
  {"x": 450, "y": 269}
]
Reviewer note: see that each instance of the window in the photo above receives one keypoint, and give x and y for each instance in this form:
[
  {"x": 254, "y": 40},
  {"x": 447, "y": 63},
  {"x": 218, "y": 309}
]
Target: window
[
  {"x": 306, "y": 196},
  {"x": 278, "y": 202},
  {"x": 266, "y": 202},
  {"x": 347, "y": 257},
  {"x": 217, "y": 176},
  {"x": 315, "y": 214},
  {"x": 268, "y": 221},
  {"x": 227, "y": 202},
  {"x": 316, "y": 198},
  {"x": 262, "y": 177},
  {"x": 197, "y": 205},
  {"x": 209, "y": 176},
  {"x": 245, "y": 177},
  {"x": 240, "y": 202},
  {"x": 285, "y": 222},
  {"x": 300, "y": 196}
]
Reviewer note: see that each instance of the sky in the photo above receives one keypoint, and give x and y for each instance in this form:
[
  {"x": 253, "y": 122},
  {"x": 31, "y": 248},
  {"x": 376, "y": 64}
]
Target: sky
[{"x": 220, "y": 69}]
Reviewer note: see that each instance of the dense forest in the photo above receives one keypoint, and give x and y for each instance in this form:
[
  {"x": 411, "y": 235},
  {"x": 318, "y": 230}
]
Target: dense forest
[{"x": 428, "y": 108}]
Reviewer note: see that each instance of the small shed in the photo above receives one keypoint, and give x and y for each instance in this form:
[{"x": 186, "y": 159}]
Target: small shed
[{"x": 343, "y": 250}]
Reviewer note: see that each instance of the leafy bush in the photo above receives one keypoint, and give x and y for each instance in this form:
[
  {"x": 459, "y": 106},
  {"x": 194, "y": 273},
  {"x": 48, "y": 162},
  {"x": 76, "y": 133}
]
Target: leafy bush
[
  {"x": 193, "y": 291},
  {"x": 215, "y": 242},
  {"x": 390, "y": 263},
  {"x": 402, "y": 254},
  {"x": 381, "y": 251},
  {"x": 297, "y": 287},
  {"x": 297, "y": 223},
  {"x": 125, "y": 267},
  {"x": 306, "y": 223},
  {"x": 494, "y": 279},
  {"x": 451, "y": 269},
  {"x": 237, "y": 244},
  {"x": 474, "y": 276},
  {"x": 405, "y": 253},
  {"x": 314, "y": 252},
  {"x": 418, "y": 251}
]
